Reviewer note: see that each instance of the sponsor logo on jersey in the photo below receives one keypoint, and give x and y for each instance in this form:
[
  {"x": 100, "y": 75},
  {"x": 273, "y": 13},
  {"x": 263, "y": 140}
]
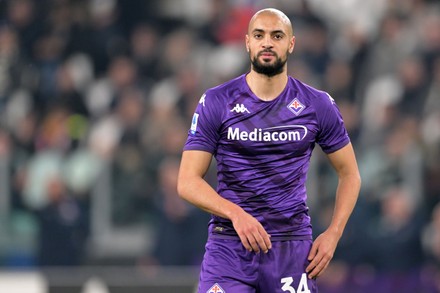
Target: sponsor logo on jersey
[
  {"x": 216, "y": 289},
  {"x": 296, "y": 107},
  {"x": 194, "y": 123},
  {"x": 240, "y": 108},
  {"x": 202, "y": 100},
  {"x": 277, "y": 133}
]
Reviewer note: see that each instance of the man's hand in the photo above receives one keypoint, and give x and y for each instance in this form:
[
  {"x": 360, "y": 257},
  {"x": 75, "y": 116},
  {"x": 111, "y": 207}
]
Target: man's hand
[
  {"x": 251, "y": 232},
  {"x": 321, "y": 253}
]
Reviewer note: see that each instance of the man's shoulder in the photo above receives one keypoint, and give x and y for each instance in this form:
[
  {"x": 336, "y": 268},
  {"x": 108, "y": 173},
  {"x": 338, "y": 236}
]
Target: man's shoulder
[
  {"x": 305, "y": 88},
  {"x": 232, "y": 85},
  {"x": 321, "y": 101}
]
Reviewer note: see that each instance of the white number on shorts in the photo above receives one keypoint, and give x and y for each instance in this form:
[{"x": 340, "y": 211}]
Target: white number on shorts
[
  {"x": 302, "y": 287},
  {"x": 287, "y": 282}
]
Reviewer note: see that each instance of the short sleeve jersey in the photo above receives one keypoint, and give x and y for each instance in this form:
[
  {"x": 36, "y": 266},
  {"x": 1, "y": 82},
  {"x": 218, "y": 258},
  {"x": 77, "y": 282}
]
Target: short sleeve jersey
[{"x": 263, "y": 150}]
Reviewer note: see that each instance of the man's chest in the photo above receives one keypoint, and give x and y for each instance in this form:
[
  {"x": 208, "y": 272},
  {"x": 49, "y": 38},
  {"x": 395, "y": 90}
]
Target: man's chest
[{"x": 268, "y": 127}]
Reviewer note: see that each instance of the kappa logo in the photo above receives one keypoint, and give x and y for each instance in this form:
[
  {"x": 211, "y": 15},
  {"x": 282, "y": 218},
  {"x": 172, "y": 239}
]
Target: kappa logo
[
  {"x": 296, "y": 107},
  {"x": 240, "y": 108},
  {"x": 216, "y": 289},
  {"x": 331, "y": 99},
  {"x": 202, "y": 100}
]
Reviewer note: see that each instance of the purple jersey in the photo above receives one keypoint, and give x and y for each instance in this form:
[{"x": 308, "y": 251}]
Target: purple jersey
[{"x": 263, "y": 150}]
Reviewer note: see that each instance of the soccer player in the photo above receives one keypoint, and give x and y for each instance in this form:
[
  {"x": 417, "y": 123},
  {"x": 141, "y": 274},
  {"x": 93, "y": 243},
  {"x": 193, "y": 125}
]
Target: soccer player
[{"x": 261, "y": 128}]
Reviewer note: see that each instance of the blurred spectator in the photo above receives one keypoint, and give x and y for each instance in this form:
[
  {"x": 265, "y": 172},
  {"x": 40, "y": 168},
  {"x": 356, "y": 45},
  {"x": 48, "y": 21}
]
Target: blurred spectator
[
  {"x": 430, "y": 37},
  {"x": 431, "y": 236},
  {"x": 11, "y": 62},
  {"x": 67, "y": 95},
  {"x": 178, "y": 240},
  {"x": 48, "y": 58},
  {"x": 398, "y": 161},
  {"x": 24, "y": 17},
  {"x": 397, "y": 232},
  {"x": 338, "y": 80},
  {"x": 132, "y": 184},
  {"x": 178, "y": 49},
  {"x": 106, "y": 35},
  {"x": 396, "y": 236},
  {"x": 379, "y": 109},
  {"x": 144, "y": 41},
  {"x": 430, "y": 132},
  {"x": 315, "y": 49},
  {"x": 431, "y": 246},
  {"x": 390, "y": 47},
  {"x": 63, "y": 228},
  {"x": 414, "y": 80}
]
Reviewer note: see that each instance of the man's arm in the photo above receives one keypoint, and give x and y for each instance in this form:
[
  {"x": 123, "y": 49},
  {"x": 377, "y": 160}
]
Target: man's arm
[
  {"x": 192, "y": 187},
  {"x": 344, "y": 162}
]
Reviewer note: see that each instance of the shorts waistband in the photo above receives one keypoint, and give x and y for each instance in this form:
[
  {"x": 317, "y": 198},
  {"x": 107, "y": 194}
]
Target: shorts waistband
[{"x": 272, "y": 238}]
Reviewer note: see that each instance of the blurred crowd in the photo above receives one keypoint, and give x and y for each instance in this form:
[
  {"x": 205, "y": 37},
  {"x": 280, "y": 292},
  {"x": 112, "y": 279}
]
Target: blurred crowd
[{"x": 88, "y": 86}]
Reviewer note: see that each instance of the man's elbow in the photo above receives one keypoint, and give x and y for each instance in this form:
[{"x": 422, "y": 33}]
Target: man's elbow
[
  {"x": 182, "y": 187},
  {"x": 352, "y": 177},
  {"x": 357, "y": 179}
]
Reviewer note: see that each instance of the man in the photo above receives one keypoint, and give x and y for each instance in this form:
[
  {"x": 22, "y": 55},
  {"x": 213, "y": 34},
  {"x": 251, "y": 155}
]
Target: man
[{"x": 262, "y": 127}]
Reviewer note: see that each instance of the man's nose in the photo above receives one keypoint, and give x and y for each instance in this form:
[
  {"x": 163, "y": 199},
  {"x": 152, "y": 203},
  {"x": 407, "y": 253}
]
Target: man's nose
[{"x": 267, "y": 42}]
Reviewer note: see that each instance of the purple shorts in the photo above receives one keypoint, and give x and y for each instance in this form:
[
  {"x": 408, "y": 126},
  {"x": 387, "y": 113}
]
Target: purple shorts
[{"x": 229, "y": 268}]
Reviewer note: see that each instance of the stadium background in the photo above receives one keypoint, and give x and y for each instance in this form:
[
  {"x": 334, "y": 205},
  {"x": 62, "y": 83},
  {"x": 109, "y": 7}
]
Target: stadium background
[{"x": 95, "y": 101}]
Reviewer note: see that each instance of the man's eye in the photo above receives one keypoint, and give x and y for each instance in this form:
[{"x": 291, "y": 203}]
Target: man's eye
[
  {"x": 278, "y": 37},
  {"x": 258, "y": 36}
]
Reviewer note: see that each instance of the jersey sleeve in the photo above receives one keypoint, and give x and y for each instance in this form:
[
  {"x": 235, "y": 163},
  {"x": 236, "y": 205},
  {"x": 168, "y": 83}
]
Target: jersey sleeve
[
  {"x": 204, "y": 132},
  {"x": 333, "y": 134}
]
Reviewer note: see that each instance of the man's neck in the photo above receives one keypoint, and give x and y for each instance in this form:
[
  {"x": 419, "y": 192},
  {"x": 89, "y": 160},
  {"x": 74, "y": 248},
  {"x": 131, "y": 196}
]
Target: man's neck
[{"x": 264, "y": 87}]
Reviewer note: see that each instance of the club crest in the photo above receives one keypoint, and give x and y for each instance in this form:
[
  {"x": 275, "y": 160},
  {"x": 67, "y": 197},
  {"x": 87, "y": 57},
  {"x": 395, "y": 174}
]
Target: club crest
[{"x": 296, "y": 107}]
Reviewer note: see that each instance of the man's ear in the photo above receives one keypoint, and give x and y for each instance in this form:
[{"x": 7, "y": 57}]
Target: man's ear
[
  {"x": 247, "y": 43},
  {"x": 292, "y": 44}
]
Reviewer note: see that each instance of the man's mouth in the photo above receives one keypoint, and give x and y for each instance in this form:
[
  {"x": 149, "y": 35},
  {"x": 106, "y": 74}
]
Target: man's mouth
[{"x": 267, "y": 54}]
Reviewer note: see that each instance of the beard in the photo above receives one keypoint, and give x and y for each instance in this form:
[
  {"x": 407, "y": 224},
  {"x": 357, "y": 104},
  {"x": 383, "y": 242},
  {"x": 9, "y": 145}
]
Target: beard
[{"x": 268, "y": 69}]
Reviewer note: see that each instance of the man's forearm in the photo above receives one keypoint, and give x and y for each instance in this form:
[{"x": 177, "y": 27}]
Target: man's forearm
[
  {"x": 346, "y": 197},
  {"x": 199, "y": 193}
]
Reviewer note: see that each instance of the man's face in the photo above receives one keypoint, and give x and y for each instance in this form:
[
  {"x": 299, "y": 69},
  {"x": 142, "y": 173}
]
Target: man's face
[{"x": 269, "y": 42}]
